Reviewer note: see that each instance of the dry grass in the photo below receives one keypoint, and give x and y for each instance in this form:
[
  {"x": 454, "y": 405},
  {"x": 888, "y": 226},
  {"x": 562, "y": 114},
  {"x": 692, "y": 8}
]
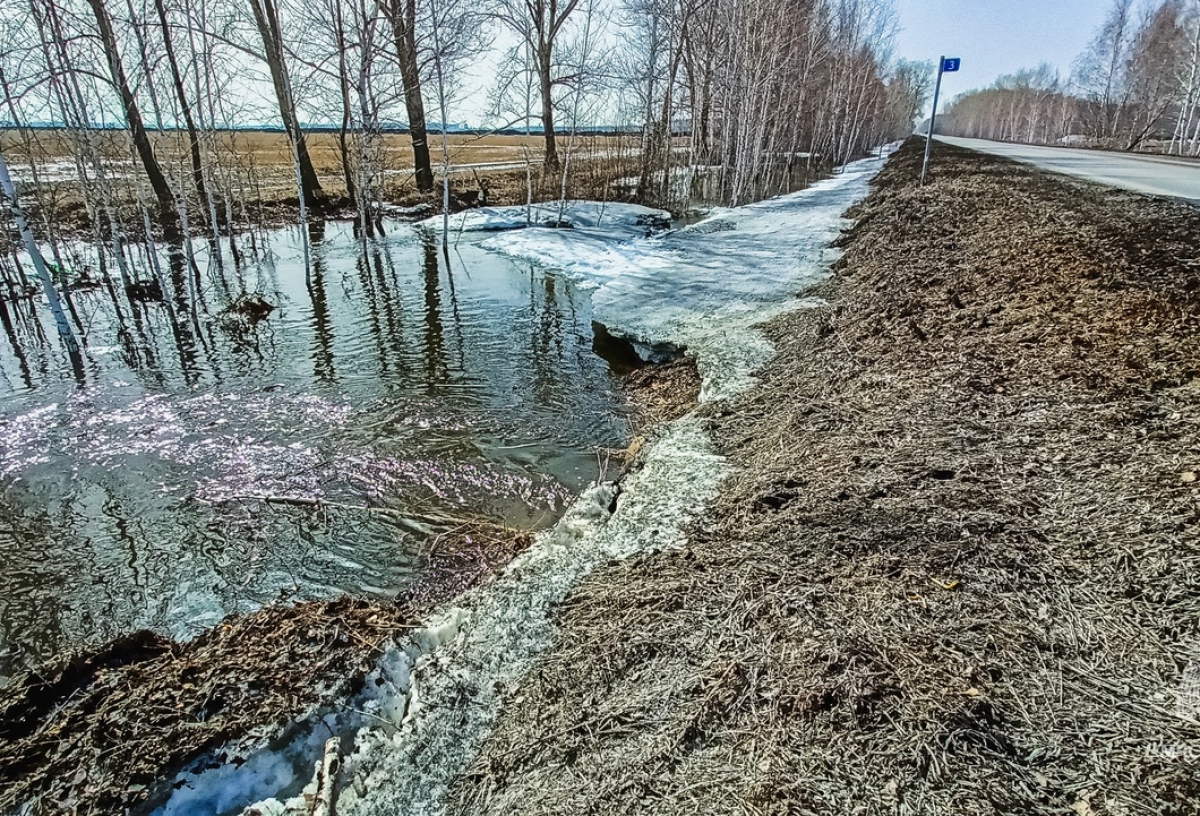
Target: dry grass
[
  {"x": 662, "y": 393},
  {"x": 261, "y": 161},
  {"x": 958, "y": 568}
]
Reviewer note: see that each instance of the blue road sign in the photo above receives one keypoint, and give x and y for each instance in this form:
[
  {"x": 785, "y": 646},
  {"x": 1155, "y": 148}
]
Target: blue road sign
[{"x": 946, "y": 64}]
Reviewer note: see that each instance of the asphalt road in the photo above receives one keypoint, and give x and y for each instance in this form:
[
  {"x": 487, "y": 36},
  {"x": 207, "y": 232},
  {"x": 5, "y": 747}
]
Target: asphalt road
[{"x": 1153, "y": 175}]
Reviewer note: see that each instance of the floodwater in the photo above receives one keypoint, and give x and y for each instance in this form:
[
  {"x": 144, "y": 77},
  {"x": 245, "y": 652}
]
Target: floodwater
[{"x": 387, "y": 376}]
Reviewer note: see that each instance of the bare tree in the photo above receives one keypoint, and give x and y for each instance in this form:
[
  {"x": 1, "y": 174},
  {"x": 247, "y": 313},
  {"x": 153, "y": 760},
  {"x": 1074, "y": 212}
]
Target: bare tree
[
  {"x": 539, "y": 24},
  {"x": 133, "y": 114},
  {"x": 1157, "y": 50},
  {"x": 1187, "y": 122},
  {"x": 1100, "y": 70},
  {"x": 181, "y": 98},
  {"x": 266, "y": 18},
  {"x": 402, "y": 15},
  {"x": 8, "y": 194}
]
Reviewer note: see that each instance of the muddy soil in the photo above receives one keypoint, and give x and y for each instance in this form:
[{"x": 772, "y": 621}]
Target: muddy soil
[{"x": 958, "y": 567}]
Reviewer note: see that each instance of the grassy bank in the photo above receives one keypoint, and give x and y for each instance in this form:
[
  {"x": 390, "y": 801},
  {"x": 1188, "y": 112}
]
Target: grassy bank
[{"x": 958, "y": 568}]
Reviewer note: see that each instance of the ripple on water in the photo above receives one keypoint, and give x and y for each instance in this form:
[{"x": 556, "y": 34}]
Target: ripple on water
[{"x": 383, "y": 378}]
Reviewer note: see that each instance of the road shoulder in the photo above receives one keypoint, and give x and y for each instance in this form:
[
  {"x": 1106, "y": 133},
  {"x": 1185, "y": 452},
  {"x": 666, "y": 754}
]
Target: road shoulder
[{"x": 956, "y": 569}]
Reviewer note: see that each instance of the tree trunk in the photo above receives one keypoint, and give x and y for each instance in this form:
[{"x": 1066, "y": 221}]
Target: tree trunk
[
  {"x": 404, "y": 22},
  {"x": 266, "y": 18},
  {"x": 185, "y": 107},
  {"x": 344, "y": 86},
  {"x": 137, "y": 128},
  {"x": 546, "y": 81}
]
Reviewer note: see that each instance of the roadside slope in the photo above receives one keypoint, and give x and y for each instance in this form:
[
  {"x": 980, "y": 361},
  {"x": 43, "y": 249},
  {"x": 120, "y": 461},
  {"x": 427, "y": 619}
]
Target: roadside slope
[{"x": 957, "y": 569}]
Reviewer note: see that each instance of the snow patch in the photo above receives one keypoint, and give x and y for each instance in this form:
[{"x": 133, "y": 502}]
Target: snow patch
[
  {"x": 619, "y": 220},
  {"x": 510, "y": 622},
  {"x": 707, "y": 285}
]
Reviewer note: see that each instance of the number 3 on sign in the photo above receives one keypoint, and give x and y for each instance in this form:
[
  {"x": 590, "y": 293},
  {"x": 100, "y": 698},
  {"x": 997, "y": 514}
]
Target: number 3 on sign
[{"x": 951, "y": 65}]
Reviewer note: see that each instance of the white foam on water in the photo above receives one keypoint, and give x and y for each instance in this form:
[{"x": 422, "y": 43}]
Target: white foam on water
[{"x": 433, "y": 696}]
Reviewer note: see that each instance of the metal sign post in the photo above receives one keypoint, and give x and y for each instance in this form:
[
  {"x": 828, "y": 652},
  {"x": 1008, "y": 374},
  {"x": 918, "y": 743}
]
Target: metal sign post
[{"x": 945, "y": 66}]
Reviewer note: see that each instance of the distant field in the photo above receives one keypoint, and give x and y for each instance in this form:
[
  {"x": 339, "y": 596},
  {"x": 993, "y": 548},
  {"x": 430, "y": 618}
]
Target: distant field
[{"x": 266, "y": 157}]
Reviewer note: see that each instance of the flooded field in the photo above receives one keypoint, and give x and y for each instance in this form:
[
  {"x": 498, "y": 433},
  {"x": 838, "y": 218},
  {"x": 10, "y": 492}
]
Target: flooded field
[{"x": 385, "y": 377}]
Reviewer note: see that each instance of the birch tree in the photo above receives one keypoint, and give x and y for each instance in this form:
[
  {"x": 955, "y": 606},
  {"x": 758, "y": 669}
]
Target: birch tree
[
  {"x": 266, "y": 19},
  {"x": 402, "y": 16},
  {"x": 133, "y": 114}
]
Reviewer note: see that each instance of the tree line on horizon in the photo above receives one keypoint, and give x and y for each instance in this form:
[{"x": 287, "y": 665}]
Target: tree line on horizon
[{"x": 1135, "y": 87}]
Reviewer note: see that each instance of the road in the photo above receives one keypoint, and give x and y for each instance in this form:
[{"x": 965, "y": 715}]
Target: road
[{"x": 1152, "y": 175}]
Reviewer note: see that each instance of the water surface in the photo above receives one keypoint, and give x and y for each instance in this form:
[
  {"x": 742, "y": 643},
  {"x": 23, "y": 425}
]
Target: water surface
[{"x": 386, "y": 376}]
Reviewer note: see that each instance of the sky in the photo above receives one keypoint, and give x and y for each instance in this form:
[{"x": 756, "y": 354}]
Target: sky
[
  {"x": 995, "y": 37},
  {"x": 992, "y": 37}
]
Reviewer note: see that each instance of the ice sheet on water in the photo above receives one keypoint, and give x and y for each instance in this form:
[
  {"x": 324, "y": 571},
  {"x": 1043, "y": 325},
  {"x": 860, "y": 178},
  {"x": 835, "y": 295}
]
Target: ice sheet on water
[
  {"x": 706, "y": 285},
  {"x": 619, "y": 220},
  {"x": 433, "y": 698}
]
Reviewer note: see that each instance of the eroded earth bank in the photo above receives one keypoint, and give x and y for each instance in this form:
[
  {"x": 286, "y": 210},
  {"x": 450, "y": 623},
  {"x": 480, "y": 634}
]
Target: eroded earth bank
[{"x": 957, "y": 566}]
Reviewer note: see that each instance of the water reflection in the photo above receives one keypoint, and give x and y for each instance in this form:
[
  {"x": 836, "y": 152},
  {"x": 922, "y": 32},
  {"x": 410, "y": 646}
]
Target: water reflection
[
  {"x": 322, "y": 349},
  {"x": 385, "y": 376},
  {"x": 436, "y": 369}
]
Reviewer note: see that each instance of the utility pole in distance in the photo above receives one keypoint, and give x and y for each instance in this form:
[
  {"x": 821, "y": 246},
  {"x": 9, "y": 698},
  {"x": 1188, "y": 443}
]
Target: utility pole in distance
[{"x": 945, "y": 66}]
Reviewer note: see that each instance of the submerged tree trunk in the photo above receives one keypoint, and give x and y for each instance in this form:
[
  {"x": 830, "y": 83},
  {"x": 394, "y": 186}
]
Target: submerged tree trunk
[{"x": 8, "y": 192}]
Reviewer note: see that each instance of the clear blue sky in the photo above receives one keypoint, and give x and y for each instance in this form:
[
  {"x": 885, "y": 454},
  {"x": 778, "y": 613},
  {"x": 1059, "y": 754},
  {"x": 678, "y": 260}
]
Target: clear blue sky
[{"x": 995, "y": 37}]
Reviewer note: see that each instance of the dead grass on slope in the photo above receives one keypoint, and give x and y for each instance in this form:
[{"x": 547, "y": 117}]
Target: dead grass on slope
[
  {"x": 958, "y": 568},
  {"x": 95, "y": 731}
]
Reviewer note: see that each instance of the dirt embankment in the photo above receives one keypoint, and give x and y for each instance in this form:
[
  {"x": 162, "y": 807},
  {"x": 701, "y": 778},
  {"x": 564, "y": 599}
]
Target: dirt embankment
[{"x": 958, "y": 568}]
